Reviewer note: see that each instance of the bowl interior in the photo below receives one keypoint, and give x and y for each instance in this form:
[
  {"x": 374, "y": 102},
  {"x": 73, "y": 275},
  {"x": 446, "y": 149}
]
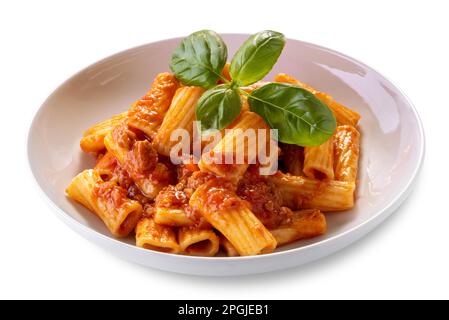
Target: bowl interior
[{"x": 391, "y": 133}]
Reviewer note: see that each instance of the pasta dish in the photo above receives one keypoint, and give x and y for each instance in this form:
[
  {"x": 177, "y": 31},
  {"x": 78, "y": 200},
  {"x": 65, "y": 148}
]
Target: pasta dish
[{"x": 215, "y": 194}]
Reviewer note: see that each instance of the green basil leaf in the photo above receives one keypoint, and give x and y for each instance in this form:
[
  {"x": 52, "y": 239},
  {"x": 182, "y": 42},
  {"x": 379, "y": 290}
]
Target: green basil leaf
[
  {"x": 199, "y": 59},
  {"x": 256, "y": 57},
  {"x": 299, "y": 116},
  {"x": 218, "y": 107}
]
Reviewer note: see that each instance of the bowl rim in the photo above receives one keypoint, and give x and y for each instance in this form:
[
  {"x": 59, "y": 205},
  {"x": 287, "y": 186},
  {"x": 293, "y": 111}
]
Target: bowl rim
[{"x": 386, "y": 211}]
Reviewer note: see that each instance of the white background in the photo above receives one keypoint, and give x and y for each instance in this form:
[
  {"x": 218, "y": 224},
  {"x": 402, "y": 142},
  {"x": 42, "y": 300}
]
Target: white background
[{"x": 44, "y": 42}]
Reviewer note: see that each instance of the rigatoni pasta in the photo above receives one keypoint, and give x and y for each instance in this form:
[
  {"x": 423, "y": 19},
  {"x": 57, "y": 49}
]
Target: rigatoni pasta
[
  {"x": 147, "y": 113},
  {"x": 293, "y": 159},
  {"x": 303, "y": 224},
  {"x": 139, "y": 159},
  {"x": 150, "y": 235},
  {"x": 227, "y": 213},
  {"x": 227, "y": 247},
  {"x": 93, "y": 139},
  {"x": 319, "y": 161},
  {"x": 181, "y": 115},
  {"x": 238, "y": 142},
  {"x": 306, "y": 193},
  {"x": 198, "y": 242},
  {"x": 347, "y": 149},
  {"x": 108, "y": 200}
]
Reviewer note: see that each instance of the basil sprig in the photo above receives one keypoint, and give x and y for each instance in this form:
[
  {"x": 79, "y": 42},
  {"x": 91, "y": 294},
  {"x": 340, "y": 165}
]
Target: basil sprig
[{"x": 297, "y": 114}]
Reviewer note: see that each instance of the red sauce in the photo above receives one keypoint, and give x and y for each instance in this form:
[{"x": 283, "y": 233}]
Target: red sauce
[
  {"x": 111, "y": 194},
  {"x": 214, "y": 194},
  {"x": 177, "y": 197},
  {"x": 123, "y": 136},
  {"x": 172, "y": 197},
  {"x": 152, "y": 106},
  {"x": 141, "y": 160},
  {"x": 199, "y": 178},
  {"x": 265, "y": 202},
  {"x": 186, "y": 169}
]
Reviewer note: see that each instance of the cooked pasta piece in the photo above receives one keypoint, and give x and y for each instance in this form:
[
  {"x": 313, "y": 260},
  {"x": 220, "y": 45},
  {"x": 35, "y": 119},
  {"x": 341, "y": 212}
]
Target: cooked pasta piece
[
  {"x": 293, "y": 157},
  {"x": 227, "y": 247},
  {"x": 303, "y": 224},
  {"x": 171, "y": 205},
  {"x": 245, "y": 104},
  {"x": 172, "y": 217},
  {"x": 92, "y": 140},
  {"x": 347, "y": 149},
  {"x": 139, "y": 159},
  {"x": 106, "y": 166},
  {"x": 153, "y": 236},
  {"x": 254, "y": 86},
  {"x": 225, "y": 72},
  {"x": 319, "y": 161},
  {"x": 180, "y": 115},
  {"x": 198, "y": 242},
  {"x": 227, "y": 213},
  {"x": 147, "y": 113},
  {"x": 305, "y": 193},
  {"x": 238, "y": 148},
  {"x": 108, "y": 200},
  {"x": 343, "y": 114}
]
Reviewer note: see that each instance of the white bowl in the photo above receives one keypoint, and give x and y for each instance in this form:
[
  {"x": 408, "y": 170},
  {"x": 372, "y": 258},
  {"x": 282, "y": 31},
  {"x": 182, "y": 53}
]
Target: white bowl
[{"x": 392, "y": 147}]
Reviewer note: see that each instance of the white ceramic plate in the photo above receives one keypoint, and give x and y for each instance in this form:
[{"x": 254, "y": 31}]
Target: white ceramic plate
[{"x": 392, "y": 147}]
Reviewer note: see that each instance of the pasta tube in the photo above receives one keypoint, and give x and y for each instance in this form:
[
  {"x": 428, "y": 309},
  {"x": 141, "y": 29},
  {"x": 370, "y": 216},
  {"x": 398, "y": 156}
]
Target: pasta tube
[
  {"x": 301, "y": 192},
  {"x": 147, "y": 113},
  {"x": 198, "y": 242},
  {"x": 227, "y": 247},
  {"x": 230, "y": 215},
  {"x": 92, "y": 140},
  {"x": 171, "y": 205},
  {"x": 293, "y": 156},
  {"x": 172, "y": 217},
  {"x": 302, "y": 225},
  {"x": 150, "y": 235},
  {"x": 107, "y": 200},
  {"x": 223, "y": 160},
  {"x": 225, "y": 72},
  {"x": 139, "y": 159},
  {"x": 319, "y": 161},
  {"x": 347, "y": 149},
  {"x": 180, "y": 115}
]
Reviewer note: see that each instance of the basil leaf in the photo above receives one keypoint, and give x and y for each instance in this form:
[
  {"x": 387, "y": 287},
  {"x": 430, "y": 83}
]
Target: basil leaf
[
  {"x": 218, "y": 107},
  {"x": 199, "y": 59},
  {"x": 256, "y": 57},
  {"x": 299, "y": 116}
]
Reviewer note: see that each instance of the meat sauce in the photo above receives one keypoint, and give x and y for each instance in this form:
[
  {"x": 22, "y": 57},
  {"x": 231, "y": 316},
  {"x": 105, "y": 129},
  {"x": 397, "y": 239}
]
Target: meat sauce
[
  {"x": 141, "y": 160},
  {"x": 178, "y": 196},
  {"x": 253, "y": 191},
  {"x": 112, "y": 195},
  {"x": 214, "y": 193},
  {"x": 152, "y": 107},
  {"x": 112, "y": 172},
  {"x": 265, "y": 202}
]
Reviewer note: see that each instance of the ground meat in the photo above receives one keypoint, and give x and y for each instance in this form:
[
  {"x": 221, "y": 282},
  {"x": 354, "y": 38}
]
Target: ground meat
[
  {"x": 263, "y": 198},
  {"x": 141, "y": 160}
]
